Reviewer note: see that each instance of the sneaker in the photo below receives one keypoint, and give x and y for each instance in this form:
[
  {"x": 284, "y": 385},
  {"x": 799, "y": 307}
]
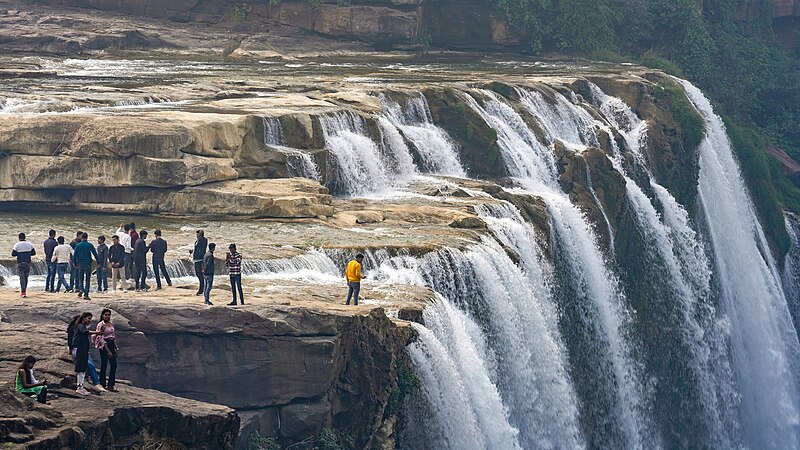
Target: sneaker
[
  {"x": 23, "y": 295},
  {"x": 232, "y": 304},
  {"x": 81, "y": 390},
  {"x": 86, "y": 298},
  {"x": 112, "y": 389},
  {"x": 100, "y": 388},
  {"x": 80, "y": 294}
]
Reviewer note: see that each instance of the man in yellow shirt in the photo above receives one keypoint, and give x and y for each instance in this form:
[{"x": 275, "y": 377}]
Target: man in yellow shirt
[{"x": 354, "y": 277}]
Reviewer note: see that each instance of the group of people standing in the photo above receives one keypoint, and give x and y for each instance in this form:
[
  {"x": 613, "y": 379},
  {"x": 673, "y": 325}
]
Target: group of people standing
[
  {"x": 125, "y": 258},
  {"x": 80, "y": 339}
]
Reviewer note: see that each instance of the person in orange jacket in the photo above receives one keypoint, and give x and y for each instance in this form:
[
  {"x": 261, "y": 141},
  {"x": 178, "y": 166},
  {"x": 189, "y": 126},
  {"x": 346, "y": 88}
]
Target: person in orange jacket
[{"x": 354, "y": 277}]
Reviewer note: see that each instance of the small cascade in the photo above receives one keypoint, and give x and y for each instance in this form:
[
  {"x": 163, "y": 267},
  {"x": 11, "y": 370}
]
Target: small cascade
[
  {"x": 355, "y": 165},
  {"x": 762, "y": 339},
  {"x": 273, "y": 131},
  {"x": 525, "y": 157},
  {"x": 561, "y": 120},
  {"x": 298, "y": 162},
  {"x": 437, "y": 152}
]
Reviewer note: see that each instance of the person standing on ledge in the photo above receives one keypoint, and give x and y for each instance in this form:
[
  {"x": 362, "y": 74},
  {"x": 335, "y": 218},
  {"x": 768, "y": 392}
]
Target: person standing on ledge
[
  {"x": 354, "y": 277},
  {"x": 84, "y": 250},
  {"x": 74, "y": 280},
  {"x": 159, "y": 248},
  {"x": 62, "y": 255},
  {"x": 49, "y": 245},
  {"x": 140, "y": 250},
  {"x": 116, "y": 255},
  {"x": 102, "y": 264},
  {"x": 198, "y": 254},
  {"x": 208, "y": 272},
  {"x": 23, "y": 250},
  {"x": 123, "y": 233},
  {"x": 233, "y": 260}
]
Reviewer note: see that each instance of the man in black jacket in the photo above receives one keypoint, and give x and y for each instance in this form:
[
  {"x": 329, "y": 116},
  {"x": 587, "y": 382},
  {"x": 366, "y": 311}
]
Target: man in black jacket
[
  {"x": 198, "y": 254},
  {"x": 159, "y": 247},
  {"x": 140, "y": 261},
  {"x": 49, "y": 245},
  {"x": 102, "y": 264},
  {"x": 208, "y": 271}
]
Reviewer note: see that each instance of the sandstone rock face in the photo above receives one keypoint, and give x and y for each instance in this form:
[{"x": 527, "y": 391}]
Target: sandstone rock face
[
  {"x": 294, "y": 370},
  {"x": 132, "y": 417}
]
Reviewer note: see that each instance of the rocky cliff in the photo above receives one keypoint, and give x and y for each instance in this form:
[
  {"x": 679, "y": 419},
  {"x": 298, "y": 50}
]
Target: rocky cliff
[
  {"x": 134, "y": 418},
  {"x": 289, "y": 371}
]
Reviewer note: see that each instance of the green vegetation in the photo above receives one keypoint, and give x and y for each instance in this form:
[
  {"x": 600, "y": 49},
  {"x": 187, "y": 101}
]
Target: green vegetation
[
  {"x": 329, "y": 440},
  {"x": 684, "y": 113},
  {"x": 407, "y": 382},
  {"x": 258, "y": 442},
  {"x": 759, "y": 171},
  {"x": 726, "y": 47}
]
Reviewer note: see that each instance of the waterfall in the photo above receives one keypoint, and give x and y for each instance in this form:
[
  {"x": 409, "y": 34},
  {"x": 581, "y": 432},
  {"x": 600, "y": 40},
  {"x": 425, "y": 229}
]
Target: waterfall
[
  {"x": 612, "y": 377},
  {"x": 355, "y": 165},
  {"x": 437, "y": 152},
  {"x": 273, "y": 131},
  {"x": 298, "y": 162},
  {"x": 763, "y": 342},
  {"x": 467, "y": 409}
]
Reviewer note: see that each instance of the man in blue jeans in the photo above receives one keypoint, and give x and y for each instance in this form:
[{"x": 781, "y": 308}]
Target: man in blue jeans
[
  {"x": 84, "y": 250},
  {"x": 74, "y": 280},
  {"x": 49, "y": 245},
  {"x": 208, "y": 272}
]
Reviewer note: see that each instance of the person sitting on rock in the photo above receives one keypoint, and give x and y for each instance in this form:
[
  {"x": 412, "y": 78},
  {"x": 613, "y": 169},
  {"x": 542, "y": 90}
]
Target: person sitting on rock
[
  {"x": 208, "y": 272},
  {"x": 23, "y": 250},
  {"x": 354, "y": 277},
  {"x": 140, "y": 250},
  {"x": 81, "y": 338},
  {"x": 27, "y": 383},
  {"x": 233, "y": 261}
]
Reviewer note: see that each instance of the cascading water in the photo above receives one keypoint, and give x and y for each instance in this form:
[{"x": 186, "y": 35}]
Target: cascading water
[
  {"x": 467, "y": 409},
  {"x": 791, "y": 270},
  {"x": 688, "y": 355},
  {"x": 436, "y": 151},
  {"x": 299, "y": 163},
  {"x": 608, "y": 375},
  {"x": 763, "y": 342},
  {"x": 354, "y": 163}
]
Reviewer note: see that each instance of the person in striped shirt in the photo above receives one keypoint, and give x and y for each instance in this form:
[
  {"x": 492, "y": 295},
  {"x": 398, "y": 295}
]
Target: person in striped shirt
[{"x": 233, "y": 261}]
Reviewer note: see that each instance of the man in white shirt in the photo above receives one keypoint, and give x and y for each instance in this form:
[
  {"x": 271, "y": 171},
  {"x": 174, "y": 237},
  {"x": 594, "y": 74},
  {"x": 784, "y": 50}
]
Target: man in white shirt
[
  {"x": 61, "y": 256},
  {"x": 125, "y": 240}
]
